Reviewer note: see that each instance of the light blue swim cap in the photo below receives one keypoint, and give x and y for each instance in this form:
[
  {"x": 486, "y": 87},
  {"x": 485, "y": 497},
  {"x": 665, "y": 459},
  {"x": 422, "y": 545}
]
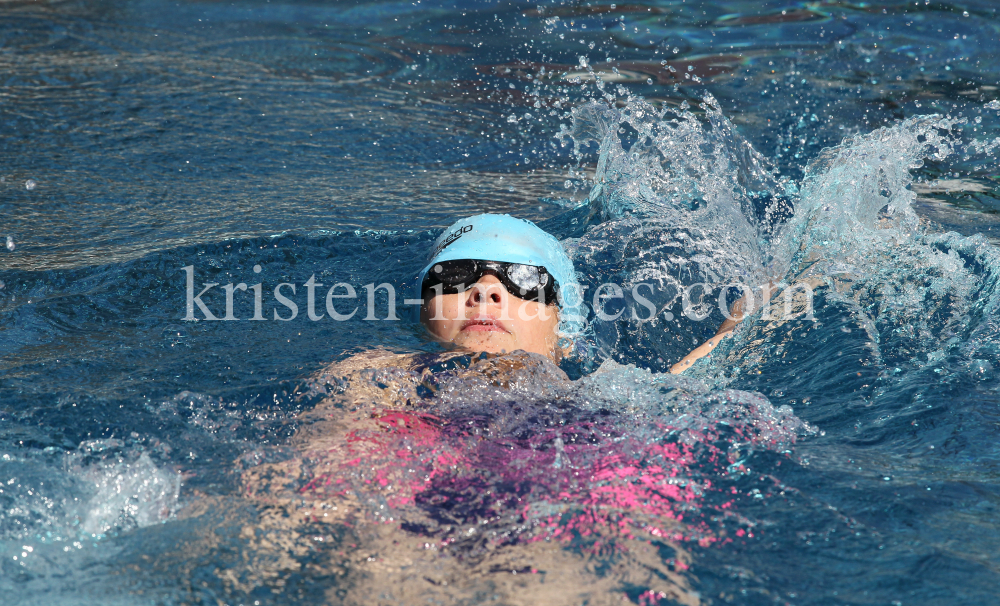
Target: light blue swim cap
[{"x": 506, "y": 239}]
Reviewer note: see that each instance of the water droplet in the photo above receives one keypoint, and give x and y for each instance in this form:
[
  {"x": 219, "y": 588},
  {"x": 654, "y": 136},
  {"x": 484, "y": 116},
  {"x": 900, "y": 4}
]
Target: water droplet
[
  {"x": 29, "y": 184},
  {"x": 10, "y": 244},
  {"x": 649, "y": 80}
]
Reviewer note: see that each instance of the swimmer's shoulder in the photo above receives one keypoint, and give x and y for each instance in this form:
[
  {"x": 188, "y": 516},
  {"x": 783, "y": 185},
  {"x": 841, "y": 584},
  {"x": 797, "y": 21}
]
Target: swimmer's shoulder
[
  {"x": 502, "y": 367},
  {"x": 366, "y": 360}
]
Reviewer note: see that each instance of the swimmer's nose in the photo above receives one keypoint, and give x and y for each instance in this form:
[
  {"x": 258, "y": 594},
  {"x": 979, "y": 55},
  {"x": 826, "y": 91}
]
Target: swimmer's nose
[{"x": 487, "y": 291}]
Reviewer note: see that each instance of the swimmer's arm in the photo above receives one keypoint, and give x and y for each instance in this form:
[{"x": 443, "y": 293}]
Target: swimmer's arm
[{"x": 706, "y": 348}]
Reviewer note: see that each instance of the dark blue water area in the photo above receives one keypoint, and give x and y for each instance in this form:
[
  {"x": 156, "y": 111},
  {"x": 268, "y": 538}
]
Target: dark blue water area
[
  {"x": 874, "y": 500},
  {"x": 334, "y": 140}
]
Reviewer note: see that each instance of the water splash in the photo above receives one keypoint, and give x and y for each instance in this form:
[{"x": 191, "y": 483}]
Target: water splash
[
  {"x": 101, "y": 487},
  {"x": 128, "y": 490},
  {"x": 680, "y": 199},
  {"x": 919, "y": 295},
  {"x": 857, "y": 196}
]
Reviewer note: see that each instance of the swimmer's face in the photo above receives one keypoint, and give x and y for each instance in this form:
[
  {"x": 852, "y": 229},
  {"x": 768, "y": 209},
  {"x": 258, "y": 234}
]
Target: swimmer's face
[{"x": 488, "y": 318}]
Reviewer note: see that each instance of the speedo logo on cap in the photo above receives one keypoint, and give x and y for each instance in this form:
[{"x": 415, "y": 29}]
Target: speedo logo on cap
[{"x": 455, "y": 235}]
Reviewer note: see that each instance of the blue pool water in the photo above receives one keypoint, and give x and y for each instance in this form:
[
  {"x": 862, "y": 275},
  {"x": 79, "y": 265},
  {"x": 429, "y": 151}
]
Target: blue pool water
[{"x": 847, "y": 458}]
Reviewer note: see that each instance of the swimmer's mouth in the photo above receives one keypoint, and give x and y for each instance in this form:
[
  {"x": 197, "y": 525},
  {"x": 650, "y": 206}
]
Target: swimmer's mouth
[{"x": 484, "y": 325}]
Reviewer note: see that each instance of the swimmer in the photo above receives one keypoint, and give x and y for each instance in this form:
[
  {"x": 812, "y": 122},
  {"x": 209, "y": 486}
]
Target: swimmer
[
  {"x": 388, "y": 431},
  {"x": 497, "y": 284}
]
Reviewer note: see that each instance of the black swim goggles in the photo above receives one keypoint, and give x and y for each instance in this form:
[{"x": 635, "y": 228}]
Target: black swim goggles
[{"x": 528, "y": 282}]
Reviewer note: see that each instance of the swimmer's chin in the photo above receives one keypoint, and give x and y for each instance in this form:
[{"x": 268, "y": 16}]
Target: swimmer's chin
[
  {"x": 494, "y": 343},
  {"x": 487, "y": 341}
]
